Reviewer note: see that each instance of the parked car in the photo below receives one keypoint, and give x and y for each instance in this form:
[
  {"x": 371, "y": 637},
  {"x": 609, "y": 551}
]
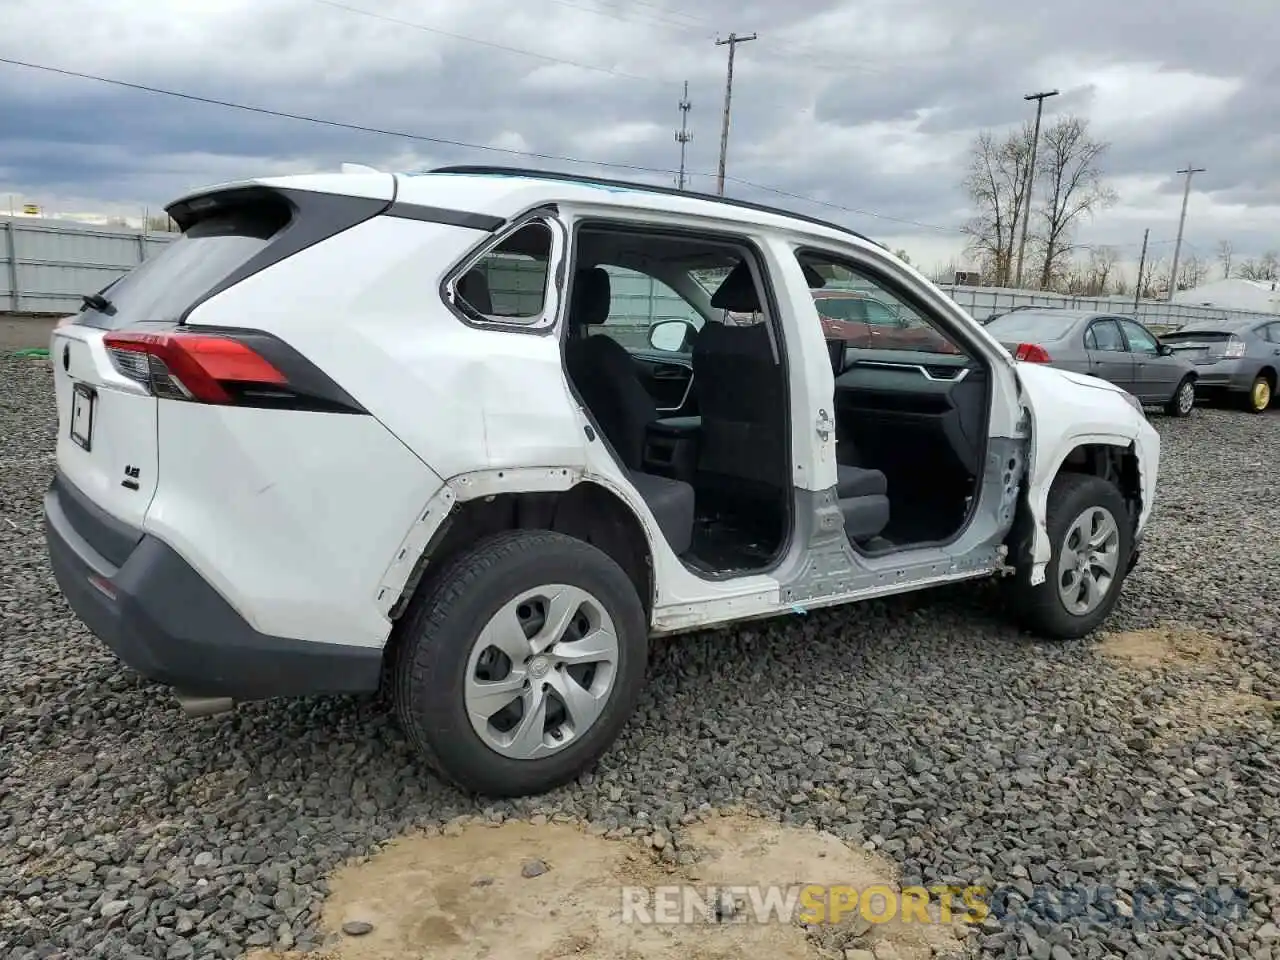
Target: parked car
[
  {"x": 863, "y": 321},
  {"x": 1117, "y": 349},
  {"x": 1233, "y": 359},
  {"x": 353, "y": 426}
]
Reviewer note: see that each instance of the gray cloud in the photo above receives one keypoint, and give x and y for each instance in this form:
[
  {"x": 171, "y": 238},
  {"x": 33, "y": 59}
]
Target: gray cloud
[{"x": 864, "y": 104}]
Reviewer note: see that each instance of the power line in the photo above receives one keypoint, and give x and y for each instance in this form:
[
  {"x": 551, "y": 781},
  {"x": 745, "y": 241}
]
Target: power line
[
  {"x": 484, "y": 43},
  {"x": 445, "y": 141}
]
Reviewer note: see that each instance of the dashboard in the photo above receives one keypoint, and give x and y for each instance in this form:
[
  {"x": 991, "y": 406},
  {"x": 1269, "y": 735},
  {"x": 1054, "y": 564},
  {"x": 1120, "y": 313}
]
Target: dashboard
[{"x": 888, "y": 398}]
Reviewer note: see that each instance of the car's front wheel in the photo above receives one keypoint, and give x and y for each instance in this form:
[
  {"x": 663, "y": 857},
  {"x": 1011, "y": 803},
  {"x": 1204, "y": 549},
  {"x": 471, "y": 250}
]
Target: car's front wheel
[
  {"x": 519, "y": 664},
  {"x": 1088, "y": 527}
]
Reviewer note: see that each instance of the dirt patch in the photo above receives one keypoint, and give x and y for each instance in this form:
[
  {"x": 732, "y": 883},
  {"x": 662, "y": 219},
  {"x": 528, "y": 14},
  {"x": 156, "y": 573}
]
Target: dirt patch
[
  {"x": 1208, "y": 692},
  {"x": 1171, "y": 646},
  {"x": 20, "y": 333},
  {"x": 480, "y": 892}
]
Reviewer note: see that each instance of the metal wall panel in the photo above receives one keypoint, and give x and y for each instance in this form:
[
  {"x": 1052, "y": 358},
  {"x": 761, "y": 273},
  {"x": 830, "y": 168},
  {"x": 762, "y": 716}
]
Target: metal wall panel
[{"x": 47, "y": 265}]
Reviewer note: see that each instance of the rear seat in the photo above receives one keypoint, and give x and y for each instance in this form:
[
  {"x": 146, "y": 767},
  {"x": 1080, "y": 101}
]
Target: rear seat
[{"x": 671, "y": 502}]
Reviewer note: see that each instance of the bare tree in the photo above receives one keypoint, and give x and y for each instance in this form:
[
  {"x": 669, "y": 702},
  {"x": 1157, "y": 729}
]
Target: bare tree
[
  {"x": 1192, "y": 272},
  {"x": 996, "y": 182},
  {"x": 1266, "y": 268},
  {"x": 901, "y": 254},
  {"x": 1225, "y": 251},
  {"x": 160, "y": 222},
  {"x": 1153, "y": 279},
  {"x": 1103, "y": 263},
  {"x": 1069, "y": 166}
]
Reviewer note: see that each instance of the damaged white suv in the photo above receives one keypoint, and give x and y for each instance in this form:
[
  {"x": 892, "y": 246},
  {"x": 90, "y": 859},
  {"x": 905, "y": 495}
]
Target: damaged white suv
[{"x": 478, "y": 434}]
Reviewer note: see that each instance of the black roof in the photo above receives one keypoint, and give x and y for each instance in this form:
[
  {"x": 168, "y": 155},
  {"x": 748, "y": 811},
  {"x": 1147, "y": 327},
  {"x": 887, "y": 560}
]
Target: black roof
[{"x": 563, "y": 177}]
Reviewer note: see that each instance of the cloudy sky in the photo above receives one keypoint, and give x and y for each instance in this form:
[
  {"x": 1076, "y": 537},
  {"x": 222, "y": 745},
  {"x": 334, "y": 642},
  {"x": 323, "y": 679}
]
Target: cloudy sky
[{"x": 866, "y": 106}]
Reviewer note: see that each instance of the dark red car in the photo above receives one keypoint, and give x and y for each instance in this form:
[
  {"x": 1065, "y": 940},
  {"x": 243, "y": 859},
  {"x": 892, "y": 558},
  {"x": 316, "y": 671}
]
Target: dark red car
[{"x": 863, "y": 321}]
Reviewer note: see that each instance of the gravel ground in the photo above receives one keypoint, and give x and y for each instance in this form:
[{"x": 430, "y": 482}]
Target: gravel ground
[{"x": 921, "y": 725}]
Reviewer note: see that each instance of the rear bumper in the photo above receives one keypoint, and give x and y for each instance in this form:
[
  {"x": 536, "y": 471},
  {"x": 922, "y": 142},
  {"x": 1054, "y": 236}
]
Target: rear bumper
[
  {"x": 160, "y": 617},
  {"x": 1230, "y": 376}
]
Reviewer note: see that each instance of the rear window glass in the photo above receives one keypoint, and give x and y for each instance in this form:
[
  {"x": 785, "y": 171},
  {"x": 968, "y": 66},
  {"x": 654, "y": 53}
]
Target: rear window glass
[
  {"x": 162, "y": 287},
  {"x": 1028, "y": 323}
]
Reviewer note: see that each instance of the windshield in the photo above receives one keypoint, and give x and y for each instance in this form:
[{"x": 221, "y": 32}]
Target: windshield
[{"x": 1032, "y": 325}]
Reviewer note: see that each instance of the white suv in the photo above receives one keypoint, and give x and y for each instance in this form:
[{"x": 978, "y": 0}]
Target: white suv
[{"x": 480, "y": 433}]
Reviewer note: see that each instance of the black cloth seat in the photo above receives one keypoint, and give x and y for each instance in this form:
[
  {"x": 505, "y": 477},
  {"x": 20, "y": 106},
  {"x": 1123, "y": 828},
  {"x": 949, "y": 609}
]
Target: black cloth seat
[
  {"x": 672, "y": 503},
  {"x": 859, "y": 482},
  {"x": 604, "y": 374},
  {"x": 865, "y": 517},
  {"x": 741, "y": 396}
]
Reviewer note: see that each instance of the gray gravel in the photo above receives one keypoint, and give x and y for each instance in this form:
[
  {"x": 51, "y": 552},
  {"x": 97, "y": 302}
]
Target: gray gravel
[{"x": 921, "y": 726}]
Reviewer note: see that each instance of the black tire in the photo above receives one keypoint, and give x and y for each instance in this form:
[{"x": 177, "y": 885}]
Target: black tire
[
  {"x": 438, "y": 633},
  {"x": 1178, "y": 405},
  {"x": 1039, "y": 608}
]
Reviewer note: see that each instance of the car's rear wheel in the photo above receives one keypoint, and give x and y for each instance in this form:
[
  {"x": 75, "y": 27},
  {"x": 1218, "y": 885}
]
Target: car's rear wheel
[
  {"x": 519, "y": 664},
  {"x": 1088, "y": 527},
  {"x": 1183, "y": 400},
  {"x": 1259, "y": 396}
]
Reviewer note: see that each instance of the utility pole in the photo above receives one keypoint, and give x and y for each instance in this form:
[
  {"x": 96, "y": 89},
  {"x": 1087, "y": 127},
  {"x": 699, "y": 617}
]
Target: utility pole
[
  {"x": 1177, "y": 246},
  {"x": 733, "y": 42},
  {"x": 1142, "y": 262},
  {"x": 1039, "y": 98},
  {"x": 683, "y": 136}
]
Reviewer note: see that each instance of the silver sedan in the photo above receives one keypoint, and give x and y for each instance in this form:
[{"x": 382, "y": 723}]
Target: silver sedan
[{"x": 1108, "y": 346}]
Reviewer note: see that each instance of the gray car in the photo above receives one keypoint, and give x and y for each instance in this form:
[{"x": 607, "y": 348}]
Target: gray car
[
  {"x": 1233, "y": 359},
  {"x": 1112, "y": 347}
]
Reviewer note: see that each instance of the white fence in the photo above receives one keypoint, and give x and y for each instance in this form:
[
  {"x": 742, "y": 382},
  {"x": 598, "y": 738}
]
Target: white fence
[
  {"x": 982, "y": 302},
  {"x": 47, "y": 265}
]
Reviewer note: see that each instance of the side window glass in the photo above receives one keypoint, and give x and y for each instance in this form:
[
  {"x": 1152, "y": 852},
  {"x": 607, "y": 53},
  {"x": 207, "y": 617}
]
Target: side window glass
[
  {"x": 1272, "y": 332},
  {"x": 509, "y": 283},
  {"x": 638, "y": 303},
  {"x": 1106, "y": 336},
  {"x": 1139, "y": 340},
  {"x": 859, "y": 310},
  {"x": 1090, "y": 341}
]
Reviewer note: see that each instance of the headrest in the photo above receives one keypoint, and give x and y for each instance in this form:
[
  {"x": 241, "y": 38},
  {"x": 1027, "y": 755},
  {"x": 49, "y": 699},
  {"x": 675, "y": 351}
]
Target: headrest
[
  {"x": 474, "y": 288},
  {"x": 738, "y": 291},
  {"x": 592, "y": 297}
]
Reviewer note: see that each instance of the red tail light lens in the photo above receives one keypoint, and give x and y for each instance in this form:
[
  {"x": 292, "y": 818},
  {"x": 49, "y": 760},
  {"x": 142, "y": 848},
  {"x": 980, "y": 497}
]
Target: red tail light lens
[
  {"x": 1031, "y": 353},
  {"x": 191, "y": 366}
]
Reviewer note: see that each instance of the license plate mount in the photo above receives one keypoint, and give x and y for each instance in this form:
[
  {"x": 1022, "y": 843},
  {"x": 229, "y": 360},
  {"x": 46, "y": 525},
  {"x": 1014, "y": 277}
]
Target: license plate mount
[{"x": 84, "y": 401}]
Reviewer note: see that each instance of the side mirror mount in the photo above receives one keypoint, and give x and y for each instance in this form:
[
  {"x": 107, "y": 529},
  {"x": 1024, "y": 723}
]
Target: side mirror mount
[
  {"x": 671, "y": 336},
  {"x": 1165, "y": 350}
]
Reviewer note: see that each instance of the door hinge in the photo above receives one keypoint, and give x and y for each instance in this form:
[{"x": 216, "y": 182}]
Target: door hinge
[{"x": 824, "y": 425}]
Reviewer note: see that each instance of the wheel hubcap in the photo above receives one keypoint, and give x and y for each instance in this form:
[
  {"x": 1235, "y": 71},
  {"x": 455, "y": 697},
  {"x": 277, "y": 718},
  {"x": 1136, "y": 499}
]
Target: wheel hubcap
[
  {"x": 1088, "y": 561},
  {"x": 1186, "y": 398},
  {"x": 1261, "y": 394},
  {"x": 541, "y": 671}
]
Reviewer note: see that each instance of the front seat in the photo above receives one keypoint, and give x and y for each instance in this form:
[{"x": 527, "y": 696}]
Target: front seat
[
  {"x": 604, "y": 374},
  {"x": 742, "y": 399}
]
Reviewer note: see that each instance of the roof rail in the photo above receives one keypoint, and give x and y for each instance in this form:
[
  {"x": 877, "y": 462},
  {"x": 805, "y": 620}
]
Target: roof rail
[{"x": 650, "y": 188}]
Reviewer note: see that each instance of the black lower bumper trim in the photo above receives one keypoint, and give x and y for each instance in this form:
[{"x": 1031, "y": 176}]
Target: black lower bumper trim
[{"x": 159, "y": 616}]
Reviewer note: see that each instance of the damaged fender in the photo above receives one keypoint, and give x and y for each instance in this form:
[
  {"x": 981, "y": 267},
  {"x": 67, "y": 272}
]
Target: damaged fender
[{"x": 1063, "y": 418}]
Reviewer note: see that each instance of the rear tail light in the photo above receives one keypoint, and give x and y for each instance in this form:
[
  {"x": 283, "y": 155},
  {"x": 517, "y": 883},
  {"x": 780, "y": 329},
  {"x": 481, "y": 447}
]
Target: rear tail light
[
  {"x": 1031, "y": 353},
  {"x": 1234, "y": 350},
  {"x": 225, "y": 366},
  {"x": 192, "y": 366}
]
